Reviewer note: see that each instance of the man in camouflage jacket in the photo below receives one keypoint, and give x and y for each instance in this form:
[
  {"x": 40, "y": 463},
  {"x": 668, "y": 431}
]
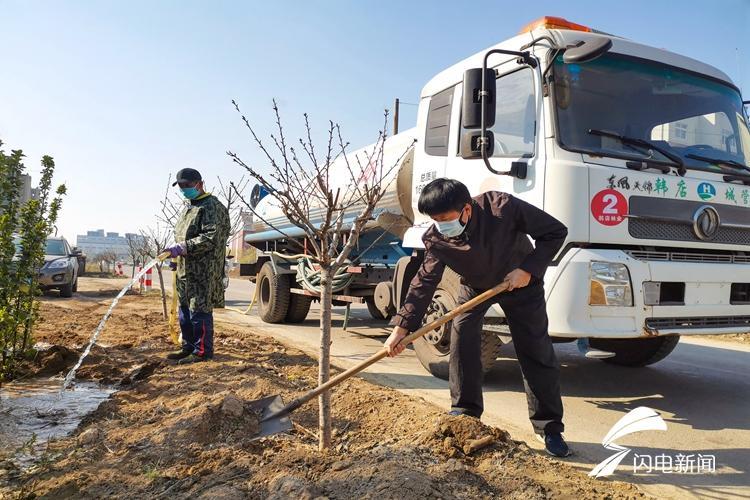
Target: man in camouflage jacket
[{"x": 201, "y": 234}]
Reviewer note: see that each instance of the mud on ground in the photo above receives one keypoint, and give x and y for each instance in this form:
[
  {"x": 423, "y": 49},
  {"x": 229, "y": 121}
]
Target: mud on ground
[{"x": 186, "y": 431}]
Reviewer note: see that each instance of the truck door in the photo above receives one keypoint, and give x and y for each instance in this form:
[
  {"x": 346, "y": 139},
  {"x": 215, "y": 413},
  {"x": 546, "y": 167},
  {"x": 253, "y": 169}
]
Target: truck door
[
  {"x": 438, "y": 119},
  {"x": 517, "y": 138}
]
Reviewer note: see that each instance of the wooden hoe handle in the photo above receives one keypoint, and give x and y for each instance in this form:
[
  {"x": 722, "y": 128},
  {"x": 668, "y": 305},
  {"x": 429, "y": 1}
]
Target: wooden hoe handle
[{"x": 466, "y": 306}]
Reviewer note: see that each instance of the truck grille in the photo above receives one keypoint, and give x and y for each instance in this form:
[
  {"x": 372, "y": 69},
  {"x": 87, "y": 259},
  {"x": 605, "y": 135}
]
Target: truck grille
[
  {"x": 661, "y": 230},
  {"x": 699, "y": 322},
  {"x": 672, "y": 219},
  {"x": 707, "y": 257}
]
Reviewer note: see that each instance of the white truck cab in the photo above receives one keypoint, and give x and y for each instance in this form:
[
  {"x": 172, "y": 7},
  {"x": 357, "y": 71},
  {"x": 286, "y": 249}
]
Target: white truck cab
[{"x": 642, "y": 153}]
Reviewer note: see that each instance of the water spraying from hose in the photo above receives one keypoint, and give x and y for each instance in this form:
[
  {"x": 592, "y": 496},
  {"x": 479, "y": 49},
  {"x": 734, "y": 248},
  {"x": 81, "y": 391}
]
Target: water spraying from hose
[{"x": 72, "y": 373}]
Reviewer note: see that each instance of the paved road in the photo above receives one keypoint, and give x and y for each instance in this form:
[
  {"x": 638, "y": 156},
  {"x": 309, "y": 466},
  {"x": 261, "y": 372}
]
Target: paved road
[{"x": 701, "y": 390}]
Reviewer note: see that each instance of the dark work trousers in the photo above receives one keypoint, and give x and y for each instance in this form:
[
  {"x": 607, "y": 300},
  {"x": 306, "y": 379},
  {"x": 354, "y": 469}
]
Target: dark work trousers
[
  {"x": 197, "y": 332},
  {"x": 526, "y": 313}
]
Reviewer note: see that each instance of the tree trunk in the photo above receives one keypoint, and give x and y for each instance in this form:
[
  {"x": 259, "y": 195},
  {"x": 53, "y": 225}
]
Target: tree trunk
[
  {"x": 163, "y": 293},
  {"x": 324, "y": 359}
]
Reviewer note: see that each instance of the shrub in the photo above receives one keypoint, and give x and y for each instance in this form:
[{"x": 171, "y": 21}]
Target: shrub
[{"x": 24, "y": 228}]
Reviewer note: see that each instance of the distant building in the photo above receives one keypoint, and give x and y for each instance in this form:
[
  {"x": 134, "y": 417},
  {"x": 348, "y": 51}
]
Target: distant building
[
  {"x": 27, "y": 192},
  {"x": 713, "y": 129},
  {"x": 25, "y": 188},
  {"x": 96, "y": 242}
]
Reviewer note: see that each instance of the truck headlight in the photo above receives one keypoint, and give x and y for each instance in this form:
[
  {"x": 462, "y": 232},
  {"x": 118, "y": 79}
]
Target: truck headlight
[
  {"x": 610, "y": 284},
  {"x": 58, "y": 264}
]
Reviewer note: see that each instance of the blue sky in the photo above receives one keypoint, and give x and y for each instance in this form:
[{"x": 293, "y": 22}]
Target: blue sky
[{"x": 123, "y": 93}]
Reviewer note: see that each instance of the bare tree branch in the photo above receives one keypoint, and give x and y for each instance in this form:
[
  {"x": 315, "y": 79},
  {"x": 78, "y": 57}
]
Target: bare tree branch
[{"x": 332, "y": 197}]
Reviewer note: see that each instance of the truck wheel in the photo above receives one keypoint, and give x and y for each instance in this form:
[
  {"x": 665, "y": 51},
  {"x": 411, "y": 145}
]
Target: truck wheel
[
  {"x": 373, "y": 309},
  {"x": 274, "y": 294},
  {"x": 299, "y": 306},
  {"x": 433, "y": 350},
  {"x": 636, "y": 352},
  {"x": 66, "y": 290}
]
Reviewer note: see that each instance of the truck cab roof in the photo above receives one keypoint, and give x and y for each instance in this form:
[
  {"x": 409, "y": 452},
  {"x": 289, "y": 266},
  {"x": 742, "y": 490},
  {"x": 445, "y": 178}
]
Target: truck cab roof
[{"x": 454, "y": 74}]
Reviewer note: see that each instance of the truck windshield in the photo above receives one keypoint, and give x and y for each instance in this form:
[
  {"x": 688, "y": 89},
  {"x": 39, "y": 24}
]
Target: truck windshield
[{"x": 680, "y": 112}]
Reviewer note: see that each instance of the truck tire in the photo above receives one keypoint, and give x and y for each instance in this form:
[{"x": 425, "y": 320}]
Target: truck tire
[
  {"x": 433, "y": 350},
  {"x": 637, "y": 352},
  {"x": 299, "y": 306},
  {"x": 373, "y": 309},
  {"x": 75, "y": 284},
  {"x": 274, "y": 294}
]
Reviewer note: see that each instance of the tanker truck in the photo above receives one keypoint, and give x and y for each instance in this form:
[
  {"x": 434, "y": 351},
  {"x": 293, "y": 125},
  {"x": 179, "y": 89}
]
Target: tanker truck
[{"x": 642, "y": 153}]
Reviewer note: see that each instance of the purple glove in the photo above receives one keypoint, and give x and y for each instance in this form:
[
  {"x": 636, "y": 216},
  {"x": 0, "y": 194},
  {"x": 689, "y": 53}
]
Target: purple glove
[
  {"x": 173, "y": 265},
  {"x": 177, "y": 250}
]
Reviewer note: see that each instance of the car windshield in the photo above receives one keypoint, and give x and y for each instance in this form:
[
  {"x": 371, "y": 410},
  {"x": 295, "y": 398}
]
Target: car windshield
[
  {"x": 676, "y": 110},
  {"x": 55, "y": 247}
]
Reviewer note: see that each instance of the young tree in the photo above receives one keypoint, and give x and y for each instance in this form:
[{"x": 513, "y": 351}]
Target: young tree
[
  {"x": 156, "y": 239},
  {"x": 23, "y": 232},
  {"x": 136, "y": 250},
  {"x": 331, "y": 197},
  {"x": 171, "y": 206},
  {"x": 108, "y": 257},
  {"x": 228, "y": 194}
]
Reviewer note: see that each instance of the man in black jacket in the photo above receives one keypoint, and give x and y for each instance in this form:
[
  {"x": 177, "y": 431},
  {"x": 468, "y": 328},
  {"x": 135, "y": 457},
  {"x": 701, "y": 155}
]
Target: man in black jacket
[{"x": 485, "y": 240}]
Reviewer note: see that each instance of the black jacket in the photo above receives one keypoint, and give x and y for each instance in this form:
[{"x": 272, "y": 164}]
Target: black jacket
[{"x": 494, "y": 243}]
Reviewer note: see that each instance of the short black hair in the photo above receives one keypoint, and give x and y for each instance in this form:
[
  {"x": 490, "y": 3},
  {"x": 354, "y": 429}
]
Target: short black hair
[{"x": 443, "y": 195}]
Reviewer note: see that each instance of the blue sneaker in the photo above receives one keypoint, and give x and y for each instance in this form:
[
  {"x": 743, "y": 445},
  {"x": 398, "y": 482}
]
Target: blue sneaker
[
  {"x": 556, "y": 445},
  {"x": 461, "y": 413}
]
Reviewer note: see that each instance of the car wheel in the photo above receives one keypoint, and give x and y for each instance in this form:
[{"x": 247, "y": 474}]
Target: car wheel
[{"x": 66, "y": 290}]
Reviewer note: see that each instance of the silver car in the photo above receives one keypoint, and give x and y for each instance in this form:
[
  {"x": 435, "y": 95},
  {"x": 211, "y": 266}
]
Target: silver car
[{"x": 60, "y": 269}]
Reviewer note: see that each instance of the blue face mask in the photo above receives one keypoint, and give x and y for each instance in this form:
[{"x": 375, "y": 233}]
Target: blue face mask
[
  {"x": 451, "y": 228},
  {"x": 190, "y": 193}
]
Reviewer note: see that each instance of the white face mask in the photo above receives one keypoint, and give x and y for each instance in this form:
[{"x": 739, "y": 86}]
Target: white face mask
[{"x": 451, "y": 228}]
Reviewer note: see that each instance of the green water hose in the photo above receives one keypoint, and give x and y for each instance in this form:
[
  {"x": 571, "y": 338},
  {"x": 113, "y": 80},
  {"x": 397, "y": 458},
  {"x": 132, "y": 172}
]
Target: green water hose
[{"x": 311, "y": 278}]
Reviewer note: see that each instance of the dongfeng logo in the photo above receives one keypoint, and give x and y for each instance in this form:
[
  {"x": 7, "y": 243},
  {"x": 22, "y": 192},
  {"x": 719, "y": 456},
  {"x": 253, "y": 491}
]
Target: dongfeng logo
[
  {"x": 706, "y": 191},
  {"x": 706, "y": 222},
  {"x": 646, "y": 419}
]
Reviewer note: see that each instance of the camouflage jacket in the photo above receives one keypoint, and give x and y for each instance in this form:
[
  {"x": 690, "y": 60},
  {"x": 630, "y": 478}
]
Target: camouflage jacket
[{"x": 203, "y": 227}]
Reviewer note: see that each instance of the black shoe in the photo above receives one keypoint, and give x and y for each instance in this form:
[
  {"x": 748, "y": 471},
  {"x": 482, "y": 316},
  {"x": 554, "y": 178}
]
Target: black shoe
[
  {"x": 192, "y": 358},
  {"x": 178, "y": 354},
  {"x": 556, "y": 445}
]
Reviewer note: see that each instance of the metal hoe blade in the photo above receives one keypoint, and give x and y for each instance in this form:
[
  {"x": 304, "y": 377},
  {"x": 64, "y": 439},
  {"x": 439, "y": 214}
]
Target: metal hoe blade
[{"x": 265, "y": 407}]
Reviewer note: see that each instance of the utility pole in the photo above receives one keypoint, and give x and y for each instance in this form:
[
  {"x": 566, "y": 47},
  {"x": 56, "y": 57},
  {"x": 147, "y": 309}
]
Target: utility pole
[{"x": 395, "y": 118}]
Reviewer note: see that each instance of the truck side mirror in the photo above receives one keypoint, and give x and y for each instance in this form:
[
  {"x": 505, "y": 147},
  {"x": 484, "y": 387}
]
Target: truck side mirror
[
  {"x": 471, "y": 105},
  {"x": 470, "y": 147}
]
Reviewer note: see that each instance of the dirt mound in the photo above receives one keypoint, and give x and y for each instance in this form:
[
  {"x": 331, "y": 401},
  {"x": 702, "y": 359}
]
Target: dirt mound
[
  {"x": 187, "y": 431},
  {"x": 231, "y": 419},
  {"x": 455, "y": 436},
  {"x": 108, "y": 365},
  {"x": 51, "y": 361}
]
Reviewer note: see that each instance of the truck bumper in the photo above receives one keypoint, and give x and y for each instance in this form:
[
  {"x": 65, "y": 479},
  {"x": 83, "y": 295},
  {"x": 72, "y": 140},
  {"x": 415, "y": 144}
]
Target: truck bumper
[{"x": 705, "y": 309}]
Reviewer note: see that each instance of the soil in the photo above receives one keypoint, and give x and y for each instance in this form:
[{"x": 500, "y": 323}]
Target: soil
[
  {"x": 741, "y": 338},
  {"x": 189, "y": 430}
]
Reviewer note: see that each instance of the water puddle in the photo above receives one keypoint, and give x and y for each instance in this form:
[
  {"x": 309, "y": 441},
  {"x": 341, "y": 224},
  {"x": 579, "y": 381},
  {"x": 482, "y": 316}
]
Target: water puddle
[{"x": 32, "y": 412}]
